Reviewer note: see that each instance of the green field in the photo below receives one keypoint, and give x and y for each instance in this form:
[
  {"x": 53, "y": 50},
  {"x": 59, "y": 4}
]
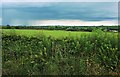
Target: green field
[
  {"x": 53, "y": 33},
  {"x": 33, "y": 52}
]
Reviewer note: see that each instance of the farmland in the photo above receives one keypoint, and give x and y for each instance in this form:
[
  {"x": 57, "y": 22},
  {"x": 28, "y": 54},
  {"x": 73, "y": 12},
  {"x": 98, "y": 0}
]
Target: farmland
[
  {"x": 57, "y": 52},
  {"x": 53, "y": 33}
]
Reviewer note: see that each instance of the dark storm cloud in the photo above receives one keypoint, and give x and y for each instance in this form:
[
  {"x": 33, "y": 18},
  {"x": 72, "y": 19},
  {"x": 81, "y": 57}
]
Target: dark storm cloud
[{"x": 86, "y": 11}]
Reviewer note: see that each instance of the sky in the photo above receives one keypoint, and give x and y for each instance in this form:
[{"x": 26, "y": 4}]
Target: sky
[
  {"x": 60, "y": 0},
  {"x": 51, "y": 12}
]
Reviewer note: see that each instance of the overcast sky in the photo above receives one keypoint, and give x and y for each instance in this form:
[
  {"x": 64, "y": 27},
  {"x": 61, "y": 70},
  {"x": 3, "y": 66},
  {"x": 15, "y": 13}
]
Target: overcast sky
[
  {"x": 60, "y": 0},
  {"x": 59, "y": 13}
]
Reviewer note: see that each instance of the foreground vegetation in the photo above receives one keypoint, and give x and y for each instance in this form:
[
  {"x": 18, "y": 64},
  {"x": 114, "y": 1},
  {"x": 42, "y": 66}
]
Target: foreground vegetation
[{"x": 95, "y": 53}]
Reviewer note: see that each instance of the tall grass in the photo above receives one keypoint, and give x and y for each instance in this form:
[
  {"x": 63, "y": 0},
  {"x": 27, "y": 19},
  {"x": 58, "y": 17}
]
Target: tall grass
[{"x": 90, "y": 54}]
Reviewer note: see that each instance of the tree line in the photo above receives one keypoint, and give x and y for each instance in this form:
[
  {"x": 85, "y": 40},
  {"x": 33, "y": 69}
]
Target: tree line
[{"x": 67, "y": 28}]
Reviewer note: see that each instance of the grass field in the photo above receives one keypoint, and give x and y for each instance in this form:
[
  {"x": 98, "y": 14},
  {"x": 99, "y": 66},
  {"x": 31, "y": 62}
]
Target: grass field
[
  {"x": 53, "y": 33},
  {"x": 30, "y": 52}
]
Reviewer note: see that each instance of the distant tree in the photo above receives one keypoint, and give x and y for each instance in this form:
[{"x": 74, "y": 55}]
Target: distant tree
[
  {"x": 17, "y": 27},
  {"x": 8, "y": 26}
]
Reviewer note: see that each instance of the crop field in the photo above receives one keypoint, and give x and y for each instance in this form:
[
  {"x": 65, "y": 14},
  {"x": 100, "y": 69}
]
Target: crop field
[
  {"x": 57, "y": 52},
  {"x": 53, "y": 33}
]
